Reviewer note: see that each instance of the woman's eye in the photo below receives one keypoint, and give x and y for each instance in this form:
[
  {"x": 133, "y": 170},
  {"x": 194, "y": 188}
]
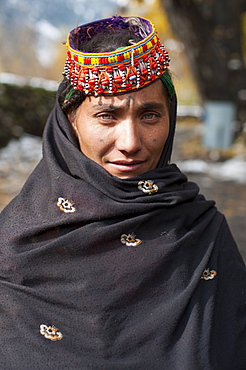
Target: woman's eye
[
  {"x": 105, "y": 116},
  {"x": 150, "y": 116}
]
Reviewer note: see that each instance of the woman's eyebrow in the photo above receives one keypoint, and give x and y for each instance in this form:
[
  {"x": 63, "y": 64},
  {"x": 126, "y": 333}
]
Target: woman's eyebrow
[
  {"x": 151, "y": 105},
  {"x": 106, "y": 107},
  {"x": 111, "y": 107}
]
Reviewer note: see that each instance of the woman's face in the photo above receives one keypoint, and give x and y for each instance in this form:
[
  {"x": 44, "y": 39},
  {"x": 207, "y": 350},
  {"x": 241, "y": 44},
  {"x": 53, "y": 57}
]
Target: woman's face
[{"x": 124, "y": 134}]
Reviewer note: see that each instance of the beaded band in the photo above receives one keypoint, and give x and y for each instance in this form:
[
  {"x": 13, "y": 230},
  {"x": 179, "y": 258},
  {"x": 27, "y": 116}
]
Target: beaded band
[{"x": 116, "y": 72}]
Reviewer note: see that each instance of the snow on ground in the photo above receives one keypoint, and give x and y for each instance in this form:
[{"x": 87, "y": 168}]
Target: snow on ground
[
  {"x": 233, "y": 169},
  {"x": 20, "y": 156}
]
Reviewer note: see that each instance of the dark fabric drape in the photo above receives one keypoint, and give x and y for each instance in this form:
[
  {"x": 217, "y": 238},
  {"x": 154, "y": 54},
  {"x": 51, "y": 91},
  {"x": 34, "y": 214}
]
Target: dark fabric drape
[{"x": 128, "y": 277}]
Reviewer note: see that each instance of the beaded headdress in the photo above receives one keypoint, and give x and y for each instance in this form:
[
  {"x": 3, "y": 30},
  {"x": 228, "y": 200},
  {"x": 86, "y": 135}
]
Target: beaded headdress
[{"x": 119, "y": 71}]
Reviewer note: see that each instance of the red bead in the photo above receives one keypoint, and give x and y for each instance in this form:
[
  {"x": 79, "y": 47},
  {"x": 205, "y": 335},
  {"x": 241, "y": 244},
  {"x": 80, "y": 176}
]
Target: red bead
[
  {"x": 128, "y": 86},
  {"x": 121, "y": 67},
  {"x": 100, "y": 90},
  {"x": 132, "y": 76},
  {"x": 120, "y": 57},
  {"x": 144, "y": 72},
  {"x": 109, "y": 69},
  {"x": 118, "y": 80},
  {"x": 92, "y": 81},
  {"x": 104, "y": 81},
  {"x": 95, "y": 71}
]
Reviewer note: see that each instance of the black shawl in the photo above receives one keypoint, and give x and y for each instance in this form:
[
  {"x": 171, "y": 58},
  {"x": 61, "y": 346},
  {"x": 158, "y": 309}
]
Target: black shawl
[{"x": 98, "y": 272}]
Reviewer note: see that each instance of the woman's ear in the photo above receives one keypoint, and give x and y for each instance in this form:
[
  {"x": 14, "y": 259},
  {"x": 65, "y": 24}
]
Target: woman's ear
[{"x": 72, "y": 119}]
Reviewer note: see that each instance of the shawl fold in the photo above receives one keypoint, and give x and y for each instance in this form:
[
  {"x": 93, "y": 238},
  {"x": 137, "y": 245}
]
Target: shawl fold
[{"x": 127, "y": 277}]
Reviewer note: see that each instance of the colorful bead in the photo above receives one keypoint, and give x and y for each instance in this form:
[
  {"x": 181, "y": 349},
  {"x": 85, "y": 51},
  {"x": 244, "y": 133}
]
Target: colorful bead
[
  {"x": 92, "y": 81},
  {"x": 132, "y": 76},
  {"x": 121, "y": 67},
  {"x": 104, "y": 81},
  {"x": 127, "y": 55},
  {"x": 109, "y": 69},
  {"x": 144, "y": 72},
  {"x": 100, "y": 90},
  {"x": 95, "y": 71},
  {"x": 118, "y": 79}
]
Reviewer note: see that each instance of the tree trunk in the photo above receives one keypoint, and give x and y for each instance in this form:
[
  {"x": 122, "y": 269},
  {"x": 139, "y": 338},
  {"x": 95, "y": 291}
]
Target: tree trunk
[{"x": 211, "y": 33}]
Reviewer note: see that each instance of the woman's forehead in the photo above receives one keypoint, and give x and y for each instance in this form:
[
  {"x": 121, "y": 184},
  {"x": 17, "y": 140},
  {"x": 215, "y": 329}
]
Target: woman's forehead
[{"x": 152, "y": 93}]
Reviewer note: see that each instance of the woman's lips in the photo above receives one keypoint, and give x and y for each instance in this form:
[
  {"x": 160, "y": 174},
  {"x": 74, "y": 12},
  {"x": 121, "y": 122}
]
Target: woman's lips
[{"x": 126, "y": 166}]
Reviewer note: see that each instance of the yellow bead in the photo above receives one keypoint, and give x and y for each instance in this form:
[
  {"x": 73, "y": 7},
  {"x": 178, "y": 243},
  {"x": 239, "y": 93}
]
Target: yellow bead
[
  {"x": 127, "y": 55},
  {"x": 113, "y": 59}
]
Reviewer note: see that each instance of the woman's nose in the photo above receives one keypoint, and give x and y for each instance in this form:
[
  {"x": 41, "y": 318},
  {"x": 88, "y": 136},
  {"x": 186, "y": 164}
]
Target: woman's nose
[{"x": 128, "y": 137}]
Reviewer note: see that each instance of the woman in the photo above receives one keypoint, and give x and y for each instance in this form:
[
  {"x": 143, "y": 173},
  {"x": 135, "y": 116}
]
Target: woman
[{"x": 110, "y": 258}]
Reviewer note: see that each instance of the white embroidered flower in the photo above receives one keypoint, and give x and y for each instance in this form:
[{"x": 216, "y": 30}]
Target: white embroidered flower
[
  {"x": 66, "y": 205},
  {"x": 50, "y": 332},
  {"x": 148, "y": 187},
  {"x": 130, "y": 240},
  {"x": 208, "y": 274}
]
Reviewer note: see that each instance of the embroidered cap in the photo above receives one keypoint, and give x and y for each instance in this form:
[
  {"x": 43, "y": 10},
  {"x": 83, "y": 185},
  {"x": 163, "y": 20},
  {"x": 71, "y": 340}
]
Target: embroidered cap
[{"x": 115, "y": 72}]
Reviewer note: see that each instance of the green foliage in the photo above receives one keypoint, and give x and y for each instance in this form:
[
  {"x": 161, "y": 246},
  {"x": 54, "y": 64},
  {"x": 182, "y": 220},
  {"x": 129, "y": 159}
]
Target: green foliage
[{"x": 23, "y": 109}]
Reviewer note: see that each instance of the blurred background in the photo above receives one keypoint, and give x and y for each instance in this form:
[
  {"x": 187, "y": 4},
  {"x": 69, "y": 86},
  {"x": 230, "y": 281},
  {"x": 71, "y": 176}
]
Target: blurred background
[{"x": 206, "y": 40}]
